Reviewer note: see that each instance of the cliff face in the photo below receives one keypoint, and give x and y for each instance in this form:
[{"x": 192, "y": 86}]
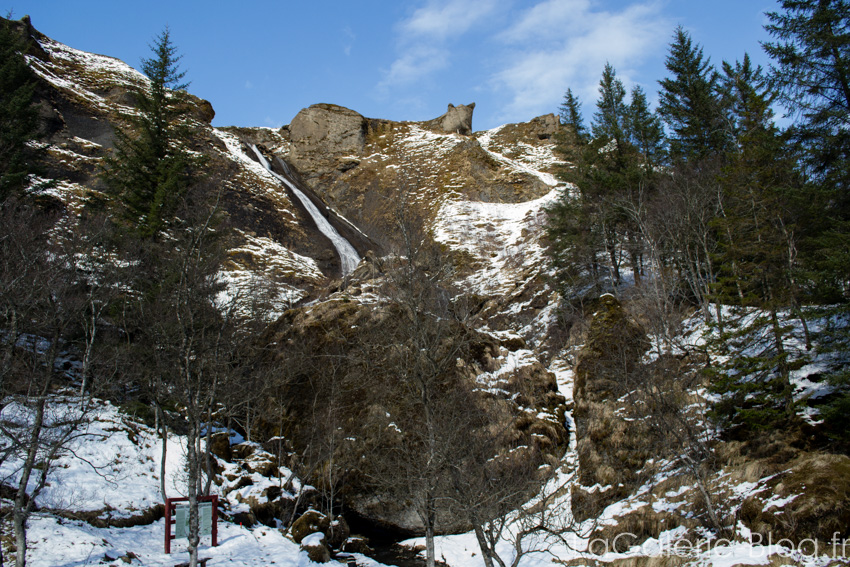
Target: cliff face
[
  {"x": 478, "y": 196},
  {"x": 566, "y": 393},
  {"x": 364, "y": 167}
]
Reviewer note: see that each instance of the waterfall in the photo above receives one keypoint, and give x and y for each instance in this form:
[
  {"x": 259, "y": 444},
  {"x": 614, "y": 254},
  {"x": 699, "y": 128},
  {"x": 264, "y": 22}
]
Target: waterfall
[{"x": 348, "y": 256}]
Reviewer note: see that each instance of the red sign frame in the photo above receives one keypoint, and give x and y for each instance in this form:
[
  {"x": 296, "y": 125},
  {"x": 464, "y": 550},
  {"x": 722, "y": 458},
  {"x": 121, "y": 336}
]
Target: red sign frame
[{"x": 169, "y": 518}]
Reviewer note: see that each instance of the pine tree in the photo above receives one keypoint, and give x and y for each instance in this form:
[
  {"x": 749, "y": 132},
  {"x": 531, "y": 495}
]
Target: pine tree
[
  {"x": 570, "y": 113},
  {"x": 611, "y": 117},
  {"x": 588, "y": 230},
  {"x": 812, "y": 55},
  {"x": 19, "y": 119},
  {"x": 812, "y": 71},
  {"x": 151, "y": 170},
  {"x": 759, "y": 232},
  {"x": 645, "y": 130},
  {"x": 689, "y": 102}
]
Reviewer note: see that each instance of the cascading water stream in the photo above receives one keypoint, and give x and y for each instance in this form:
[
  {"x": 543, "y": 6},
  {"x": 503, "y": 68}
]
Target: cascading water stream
[{"x": 348, "y": 256}]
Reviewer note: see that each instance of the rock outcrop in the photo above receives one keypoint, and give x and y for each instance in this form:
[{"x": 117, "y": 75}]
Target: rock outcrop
[
  {"x": 522, "y": 401},
  {"x": 456, "y": 120},
  {"x": 326, "y": 137},
  {"x": 611, "y": 448}
]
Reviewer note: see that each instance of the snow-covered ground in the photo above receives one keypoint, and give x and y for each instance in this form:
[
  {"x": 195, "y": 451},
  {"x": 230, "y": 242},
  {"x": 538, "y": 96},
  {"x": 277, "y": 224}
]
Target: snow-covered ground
[
  {"x": 112, "y": 470},
  {"x": 503, "y": 237},
  {"x": 84, "y": 75},
  {"x": 744, "y": 549}
]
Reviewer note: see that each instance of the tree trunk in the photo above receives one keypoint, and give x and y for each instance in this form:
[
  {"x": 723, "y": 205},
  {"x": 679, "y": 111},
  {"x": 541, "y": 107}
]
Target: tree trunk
[
  {"x": 164, "y": 434},
  {"x": 9, "y": 348},
  {"x": 22, "y": 505},
  {"x": 784, "y": 372},
  {"x": 430, "y": 552},
  {"x": 19, "y": 522},
  {"x": 193, "y": 463},
  {"x": 208, "y": 454},
  {"x": 709, "y": 507},
  {"x": 482, "y": 544},
  {"x": 91, "y": 334}
]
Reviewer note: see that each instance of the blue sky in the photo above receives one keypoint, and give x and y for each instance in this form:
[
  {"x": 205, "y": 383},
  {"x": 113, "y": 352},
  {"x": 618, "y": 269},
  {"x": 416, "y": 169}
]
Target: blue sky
[{"x": 260, "y": 61}]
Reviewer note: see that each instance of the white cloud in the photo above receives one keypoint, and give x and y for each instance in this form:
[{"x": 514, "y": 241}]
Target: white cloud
[
  {"x": 413, "y": 64},
  {"x": 424, "y": 38},
  {"x": 560, "y": 44},
  {"x": 532, "y": 51},
  {"x": 440, "y": 20},
  {"x": 249, "y": 85},
  {"x": 348, "y": 40},
  {"x": 547, "y": 19}
]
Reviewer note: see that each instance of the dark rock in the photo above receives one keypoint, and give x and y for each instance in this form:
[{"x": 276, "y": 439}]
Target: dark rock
[
  {"x": 243, "y": 450},
  {"x": 205, "y": 112},
  {"x": 309, "y": 522},
  {"x": 220, "y": 446},
  {"x": 357, "y": 544},
  {"x": 316, "y": 548},
  {"x": 338, "y": 532},
  {"x": 246, "y": 519}
]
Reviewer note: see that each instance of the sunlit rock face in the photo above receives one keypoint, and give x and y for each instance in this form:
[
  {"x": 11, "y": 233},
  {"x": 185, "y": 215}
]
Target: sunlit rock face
[
  {"x": 322, "y": 135},
  {"x": 456, "y": 120}
]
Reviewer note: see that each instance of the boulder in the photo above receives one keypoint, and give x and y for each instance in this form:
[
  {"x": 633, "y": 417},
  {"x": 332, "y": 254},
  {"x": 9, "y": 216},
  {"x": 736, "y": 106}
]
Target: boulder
[
  {"x": 357, "y": 544},
  {"x": 316, "y": 548},
  {"x": 457, "y": 119},
  {"x": 310, "y": 522},
  {"x": 220, "y": 446},
  {"x": 338, "y": 533},
  {"x": 322, "y": 134}
]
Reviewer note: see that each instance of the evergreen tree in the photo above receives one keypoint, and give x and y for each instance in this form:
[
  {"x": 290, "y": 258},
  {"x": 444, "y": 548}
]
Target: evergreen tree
[
  {"x": 573, "y": 243},
  {"x": 611, "y": 118},
  {"x": 151, "y": 169},
  {"x": 19, "y": 119},
  {"x": 570, "y": 113},
  {"x": 689, "y": 102},
  {"x": 646, "y": 130},
  {"x": 812, "y": 71},
  {"x": 759, "y": 232},
  {"x": 589, "y": 230}
]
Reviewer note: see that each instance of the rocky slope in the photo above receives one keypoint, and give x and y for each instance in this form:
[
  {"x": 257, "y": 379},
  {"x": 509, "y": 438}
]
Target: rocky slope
[{"x": 481, "y": 197}]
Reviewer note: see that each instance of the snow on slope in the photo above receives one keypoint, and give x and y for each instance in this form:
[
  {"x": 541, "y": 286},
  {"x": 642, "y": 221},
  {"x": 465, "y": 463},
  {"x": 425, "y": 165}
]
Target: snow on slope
[
  {"x": 503, "y": 237},
  {"x": 533, "y": 160},
  {"x": 114, "y": 469},
  {"x": 745, "y": 549},
  {"x": 85, "y": 75}
]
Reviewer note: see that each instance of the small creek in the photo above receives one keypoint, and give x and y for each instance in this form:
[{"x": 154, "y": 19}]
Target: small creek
[{"x": 384, "y": 542}]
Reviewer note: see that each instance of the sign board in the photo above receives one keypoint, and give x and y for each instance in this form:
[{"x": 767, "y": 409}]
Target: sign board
[
  {"x": 177, "y": 519},
  {"x": 181, "y": 520}
]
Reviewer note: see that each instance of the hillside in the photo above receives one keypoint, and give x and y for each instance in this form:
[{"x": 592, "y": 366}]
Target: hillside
[{"x": 450, "y": 276}]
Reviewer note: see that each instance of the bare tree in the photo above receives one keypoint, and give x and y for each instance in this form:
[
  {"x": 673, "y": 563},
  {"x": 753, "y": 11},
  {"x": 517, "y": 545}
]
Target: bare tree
[
  {"x": 506, "y": 494},
  {"x": 44, "y": 297}
]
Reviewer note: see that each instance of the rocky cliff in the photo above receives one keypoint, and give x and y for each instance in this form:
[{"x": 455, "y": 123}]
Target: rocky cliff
[
  {"x": 478, "y": 196},
  {"x": 480, "y": 199}
]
